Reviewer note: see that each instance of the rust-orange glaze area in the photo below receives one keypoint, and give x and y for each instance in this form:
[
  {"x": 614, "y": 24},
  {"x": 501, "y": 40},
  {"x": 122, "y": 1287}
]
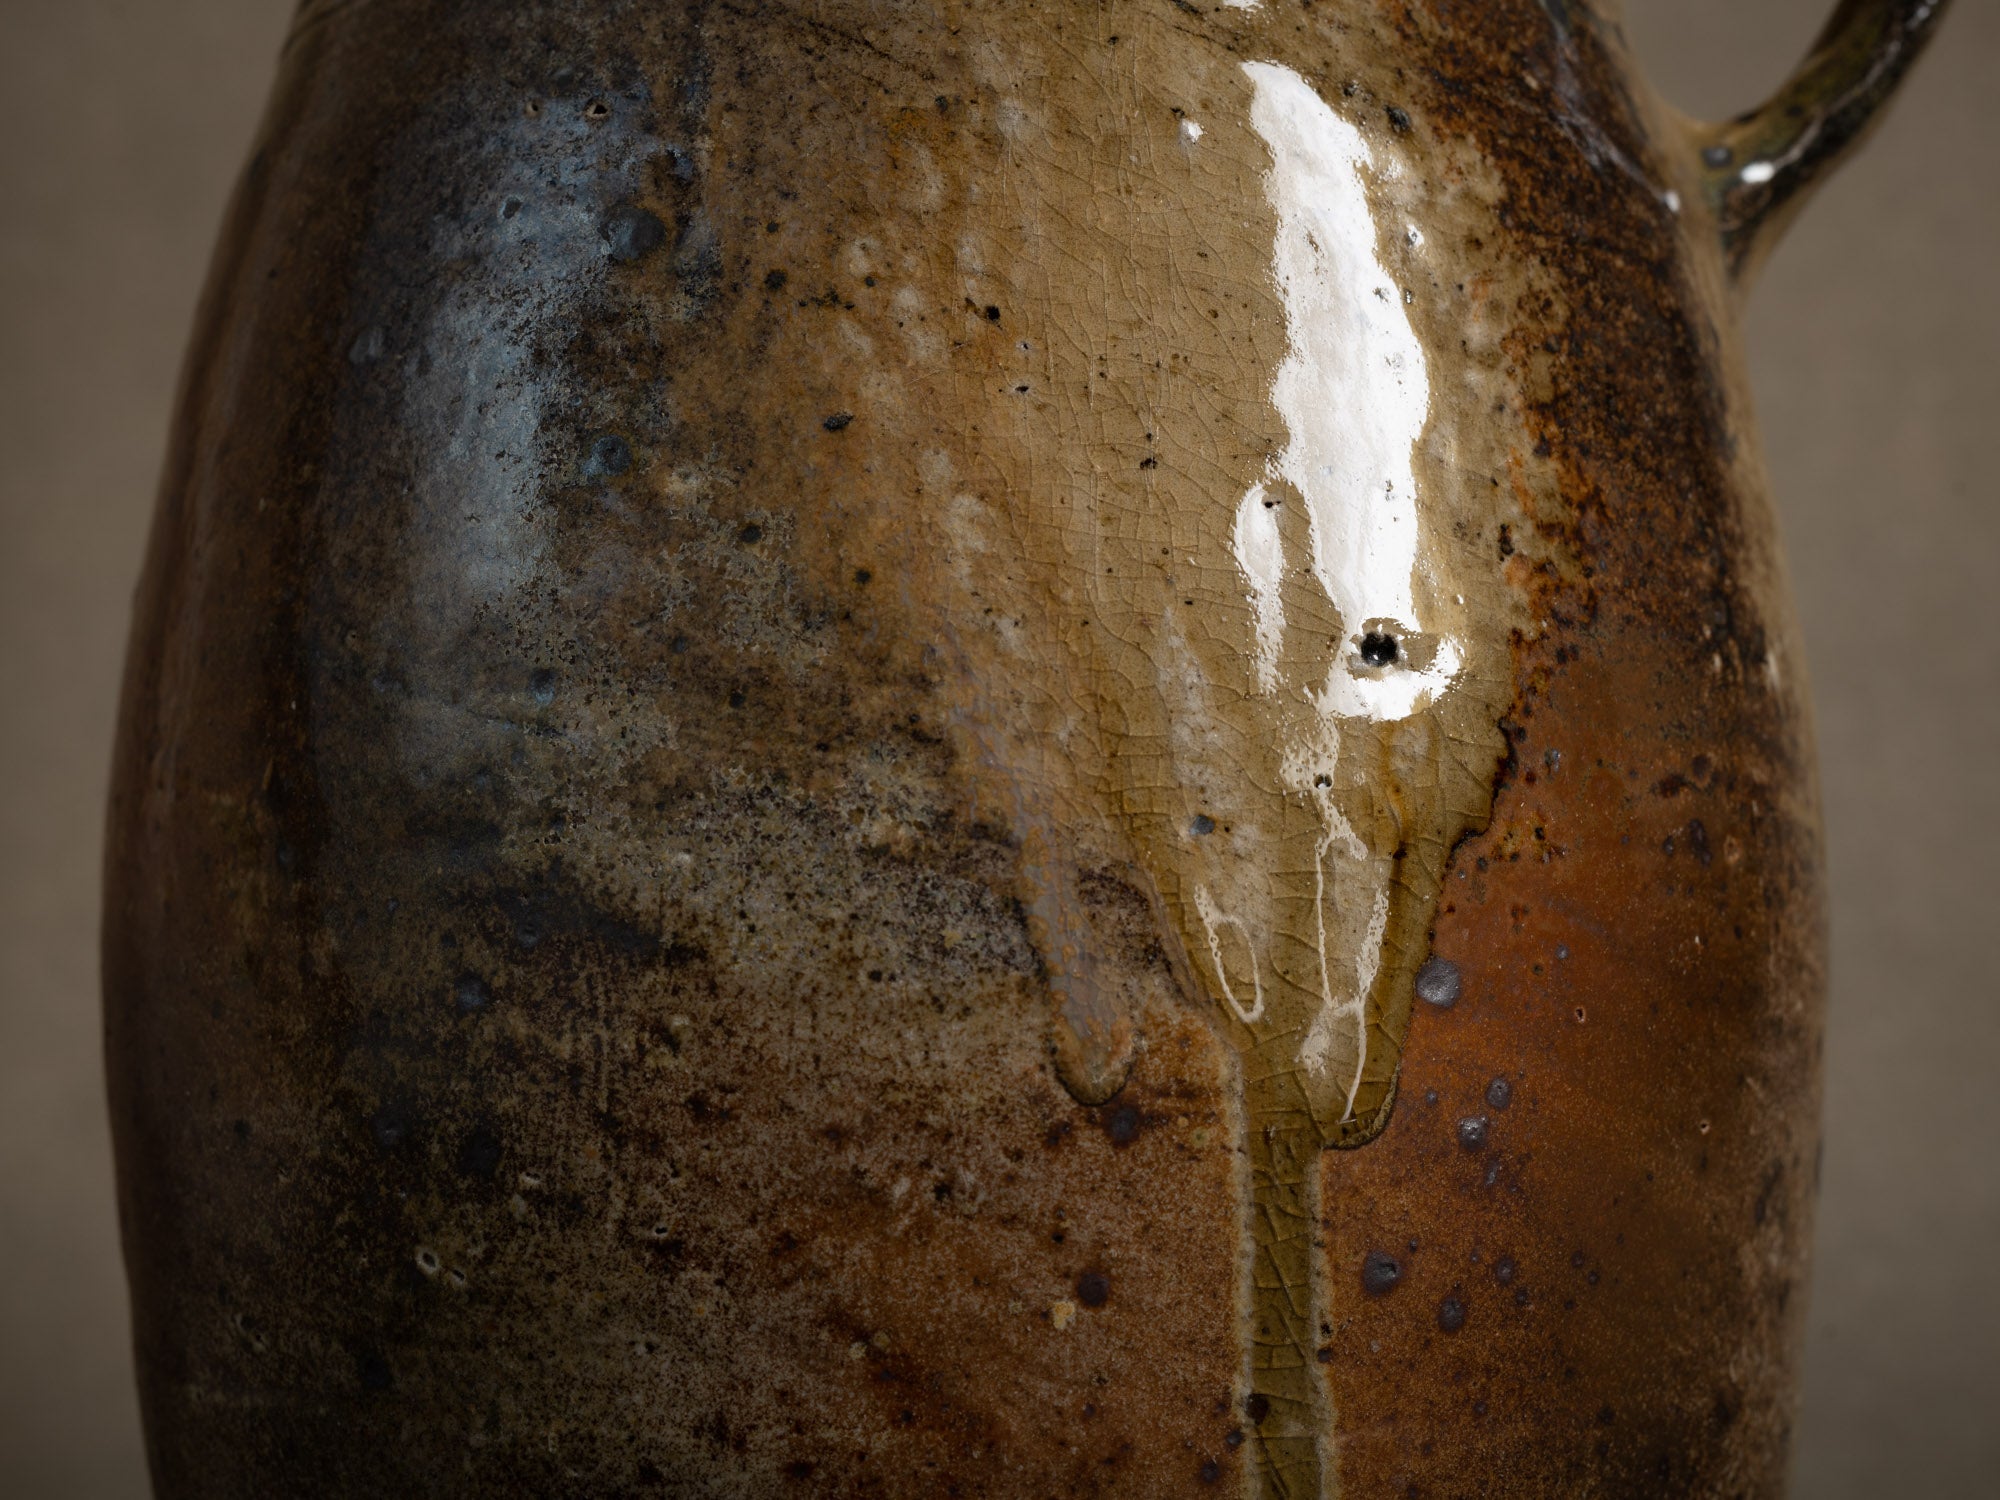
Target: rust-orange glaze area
[{"x": 1014, "y": 750}]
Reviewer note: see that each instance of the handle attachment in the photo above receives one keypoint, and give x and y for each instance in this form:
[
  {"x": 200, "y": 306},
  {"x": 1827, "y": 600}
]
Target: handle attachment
[{"x": 1757, "y": 169}]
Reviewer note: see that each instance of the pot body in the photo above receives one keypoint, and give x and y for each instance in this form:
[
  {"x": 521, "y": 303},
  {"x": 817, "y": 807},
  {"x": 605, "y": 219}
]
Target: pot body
[{"x": 1008, "y": 750}]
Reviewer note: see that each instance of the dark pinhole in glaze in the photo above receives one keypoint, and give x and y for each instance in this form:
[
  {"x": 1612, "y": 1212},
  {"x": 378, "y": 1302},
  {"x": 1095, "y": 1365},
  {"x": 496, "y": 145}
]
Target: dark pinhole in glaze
[
  {"x": 1380, "y": 1273},
  {"x": 471, "y": 994},
  {"x": 373, "y": 1370},
  {"x": 479, "y": 1156},
  {"x": 1472, "y": 1132},
  {"x": 1439, "y": 983},
  {"x": 1499, "y": 1093},
  {"x": 750, "y": 535},
  {"x": 1122, "y": 1125},
  {"x": 775, "y": 280},
  {"x": 837, "y": 421},
  {"x": 1399, "y": 120},
  {"x": 632, "y": 233},
  {"x": 542, "y": 687},
  {"x": 1093, "y": 1289},
  {"x": 1234, "y": 1437},
  {"x": 1257, "y": 1408},
  {"x": 1379, "y": 650},
  {"x": 1211, "y": 1471},
  {"x": 1451, "y": 1314},
  {"x": 1202, "y": 826},
  {"x": 610, "y": 456},
  {"x": 1504, "y": 1270}
]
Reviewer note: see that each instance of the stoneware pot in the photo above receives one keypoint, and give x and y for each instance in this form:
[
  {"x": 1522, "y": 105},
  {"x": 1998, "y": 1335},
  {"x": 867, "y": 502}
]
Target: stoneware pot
[{"x": 922, "y": 749}]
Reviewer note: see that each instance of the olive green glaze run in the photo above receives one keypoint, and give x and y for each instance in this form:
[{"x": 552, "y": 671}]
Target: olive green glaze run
[{"x": 822, "y": 689}]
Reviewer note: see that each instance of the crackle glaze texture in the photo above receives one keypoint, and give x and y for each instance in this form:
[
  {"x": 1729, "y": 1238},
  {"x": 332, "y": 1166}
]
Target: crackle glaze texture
[{"x": 902, "y": 749}]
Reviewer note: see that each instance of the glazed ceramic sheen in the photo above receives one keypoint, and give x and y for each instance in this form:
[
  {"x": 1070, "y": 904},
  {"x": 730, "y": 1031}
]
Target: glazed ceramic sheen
[{"x": 913, "y": 749}]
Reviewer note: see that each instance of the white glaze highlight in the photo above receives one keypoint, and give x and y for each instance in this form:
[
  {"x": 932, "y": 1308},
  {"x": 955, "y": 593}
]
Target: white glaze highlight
[{"x": 1354, "y": 392}]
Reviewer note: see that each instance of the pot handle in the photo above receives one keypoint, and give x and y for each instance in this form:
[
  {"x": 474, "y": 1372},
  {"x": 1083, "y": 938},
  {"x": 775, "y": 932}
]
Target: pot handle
[{"x": 1758, "y": 168}]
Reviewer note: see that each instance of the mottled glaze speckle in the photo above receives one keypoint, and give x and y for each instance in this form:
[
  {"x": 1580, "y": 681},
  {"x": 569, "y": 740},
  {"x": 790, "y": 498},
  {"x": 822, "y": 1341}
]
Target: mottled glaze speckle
[{"x": 817, "y": 685}]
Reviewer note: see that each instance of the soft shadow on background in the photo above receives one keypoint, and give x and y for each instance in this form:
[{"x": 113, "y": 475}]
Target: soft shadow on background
[{"x": 1873, "y": 340}]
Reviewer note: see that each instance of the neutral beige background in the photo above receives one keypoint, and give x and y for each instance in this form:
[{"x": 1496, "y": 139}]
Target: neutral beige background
[{"x": 1873, "y": 342}]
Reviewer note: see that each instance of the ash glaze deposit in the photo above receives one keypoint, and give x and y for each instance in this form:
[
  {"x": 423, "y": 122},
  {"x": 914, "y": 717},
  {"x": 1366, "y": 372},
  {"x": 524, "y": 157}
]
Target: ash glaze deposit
[{"x": 816, "y": 685}]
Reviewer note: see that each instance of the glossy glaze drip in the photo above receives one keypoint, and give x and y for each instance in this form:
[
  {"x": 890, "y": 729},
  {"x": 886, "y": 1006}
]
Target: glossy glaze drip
[{"x": 1247, "y": 535}]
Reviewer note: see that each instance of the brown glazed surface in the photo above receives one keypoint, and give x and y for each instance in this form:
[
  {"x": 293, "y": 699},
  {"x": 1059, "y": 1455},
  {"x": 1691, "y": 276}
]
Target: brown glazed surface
[{"x": 655, "y": 940}]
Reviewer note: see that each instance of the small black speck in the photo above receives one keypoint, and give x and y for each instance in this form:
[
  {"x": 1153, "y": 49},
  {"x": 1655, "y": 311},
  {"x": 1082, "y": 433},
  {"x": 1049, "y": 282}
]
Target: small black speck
[
  {"x": 678, "y": 645},
  {"x": 480, "y": 1155},
  {"x": 863, "y": 576},
  {"x": 542, "y": 686},
  {"x": 1718, "y": 156},
  {"x": 1123, "y": 1125},
  {"x": 1211, "y": 1471},
  {"x": 1499, "y": 1093},
  {"x": 1258, "y": 1407},
  {"x": 373, "y": 1370},
  {"x": 772, "y": 227},
  {"x": 1380, "y": 1273},
  {"x": 1378, "y": 650},
  {"x": 1202, "y": 826},
  {"x": 1472, "y": 1132},
  {"x": 1398, "y": 119},
  {"x": 992, "y": 314},
  {"x": 737, "y": 698},
  {"x": 1093, "y": 1289},
  {"x": 1233, "y": 1438},
  {"x": 774, "y": 280},
  {"x": 471, "y": 995},
  {"x": 1439, "y": 984},
  {"x": 632, "y": 233},
  {"x": 1451, "y": 1314},
  {"x": 837, "y": 421},
  {"x": 750, "y": 535},
  {"x": 1503, "y": 1270},
  {"x": 509, "y": 207}
]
